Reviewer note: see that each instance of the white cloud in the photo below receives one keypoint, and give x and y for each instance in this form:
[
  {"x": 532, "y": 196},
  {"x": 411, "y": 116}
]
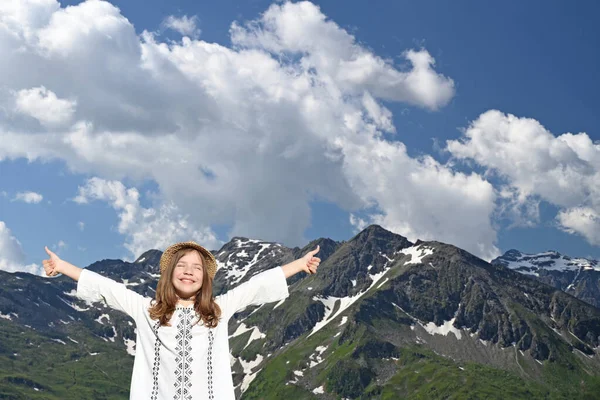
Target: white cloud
[
  {"x": 185, "y": 25},
  {"x": 245, "y": 136},
  {"x": 124, "y": 200},
  {"x": 28, "y": 197},
  {"x": 358, "y": 223},
  {"x": 81, "y": 225},
  {"x": 582, "y": 220},
  {"x": 534, "y": 165},
  {"x": 422, "y": 199},
  {"x": 12, "y": 258},
  {"x": 43, "y": 105},
  {"x": 303, "y": 29},
  {"x": 145, "y": 228}
]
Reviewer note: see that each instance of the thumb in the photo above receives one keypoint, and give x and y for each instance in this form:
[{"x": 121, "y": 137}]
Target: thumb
[
  {"x": 315, "y": 251},
  {"x": 50, "y": 253}
]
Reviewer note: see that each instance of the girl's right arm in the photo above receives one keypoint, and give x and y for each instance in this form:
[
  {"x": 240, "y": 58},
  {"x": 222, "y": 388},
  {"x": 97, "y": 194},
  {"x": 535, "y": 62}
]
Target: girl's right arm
[{"x": 94, "y": 287}]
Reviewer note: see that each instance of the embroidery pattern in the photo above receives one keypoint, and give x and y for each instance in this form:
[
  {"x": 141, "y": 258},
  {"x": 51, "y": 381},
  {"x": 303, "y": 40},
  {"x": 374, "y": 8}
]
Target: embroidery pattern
[
  {"x": 183, "y": 383},
  {"x": 209, "y": 366},
  {"x": 156, "y": 366}
]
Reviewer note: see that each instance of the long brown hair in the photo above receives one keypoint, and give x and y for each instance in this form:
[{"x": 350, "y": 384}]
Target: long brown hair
[{"x": 163, "y": 307}]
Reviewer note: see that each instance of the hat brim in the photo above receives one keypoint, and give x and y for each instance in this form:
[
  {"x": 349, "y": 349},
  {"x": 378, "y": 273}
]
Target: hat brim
[{"x": 167, "y": 256}]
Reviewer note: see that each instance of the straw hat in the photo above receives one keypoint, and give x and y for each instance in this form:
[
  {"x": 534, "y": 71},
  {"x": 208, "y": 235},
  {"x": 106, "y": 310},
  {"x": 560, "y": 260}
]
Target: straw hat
[{"x": 167, "y": 256}]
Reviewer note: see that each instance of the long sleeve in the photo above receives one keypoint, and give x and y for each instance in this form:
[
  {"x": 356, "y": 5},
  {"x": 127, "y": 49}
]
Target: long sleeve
[
  {"x": 95, "y": 287},
  {"x": 266, "y": 287}
]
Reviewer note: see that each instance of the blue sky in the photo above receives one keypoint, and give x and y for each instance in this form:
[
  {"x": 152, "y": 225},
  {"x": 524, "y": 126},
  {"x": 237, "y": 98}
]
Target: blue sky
[{"x": 533, "y": 60}]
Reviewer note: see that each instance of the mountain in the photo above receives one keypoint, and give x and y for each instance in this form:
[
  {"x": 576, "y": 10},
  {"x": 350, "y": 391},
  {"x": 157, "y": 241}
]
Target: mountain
[
  {"x": 579, "y": 277},
  {"x": 383, "y": 318},
  {"x": 388, "y": 319}
]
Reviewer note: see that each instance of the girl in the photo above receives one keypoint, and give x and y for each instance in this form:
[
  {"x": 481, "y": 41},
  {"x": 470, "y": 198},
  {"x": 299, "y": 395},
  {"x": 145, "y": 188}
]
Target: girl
[{"x": 182, "y": 348}]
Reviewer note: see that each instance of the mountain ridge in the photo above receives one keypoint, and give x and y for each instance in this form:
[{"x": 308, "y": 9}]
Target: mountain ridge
[{"x": 379, "y": 307}]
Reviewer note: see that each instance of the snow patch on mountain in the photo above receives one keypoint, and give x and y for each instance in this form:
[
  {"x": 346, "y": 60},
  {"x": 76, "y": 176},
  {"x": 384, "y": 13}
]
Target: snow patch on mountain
[
  {"x": 417, "y": 253},
  {"x": 255, "y": 335},
  {"x": 316, "y": 357},
  {"x": 345, "y": 302},
  {"x": 130, "y": 344},
  {"x": 8, "y": 316},
  {"x": 248, "y": 366},
  {"x": 319, "y": 390},
  {"x": 444, "y": 329},
  {"x": 433, "y": 329},
  {"x": 99, "y": 319}
]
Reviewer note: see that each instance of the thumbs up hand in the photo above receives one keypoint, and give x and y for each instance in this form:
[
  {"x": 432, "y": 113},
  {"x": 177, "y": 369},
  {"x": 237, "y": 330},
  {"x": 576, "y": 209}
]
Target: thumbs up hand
[
  {"x": 310, "y": 263},
  {"x": 52, "y": 265}
]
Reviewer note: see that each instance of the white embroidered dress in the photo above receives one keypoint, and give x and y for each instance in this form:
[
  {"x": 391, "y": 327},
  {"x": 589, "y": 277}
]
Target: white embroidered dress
[{"x": 184, "y": 361}]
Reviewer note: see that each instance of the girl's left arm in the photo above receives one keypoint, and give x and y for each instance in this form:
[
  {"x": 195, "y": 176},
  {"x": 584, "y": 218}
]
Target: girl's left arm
[{"x": 266, "y": 287}]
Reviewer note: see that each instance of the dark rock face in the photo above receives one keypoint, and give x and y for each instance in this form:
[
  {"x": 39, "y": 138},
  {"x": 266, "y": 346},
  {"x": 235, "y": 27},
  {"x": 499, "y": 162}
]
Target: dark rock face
[
  {"x": 349, "y": 379},
  {"x": 367, "y": 253},
  {"x": 376, "y": 349},
  {"x": 304, "y": 322},
  {"x": 500, "y": 305}
]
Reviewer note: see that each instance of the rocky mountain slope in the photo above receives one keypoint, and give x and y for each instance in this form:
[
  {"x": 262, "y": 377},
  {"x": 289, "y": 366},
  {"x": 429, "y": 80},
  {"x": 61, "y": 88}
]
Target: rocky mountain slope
[{"x": 384, "y": 318}]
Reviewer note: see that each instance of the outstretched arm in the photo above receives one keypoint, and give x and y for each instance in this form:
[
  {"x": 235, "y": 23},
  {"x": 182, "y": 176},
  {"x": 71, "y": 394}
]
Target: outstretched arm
[
  {"x": 54, "y": 266},
  {"x": 95, "y": 287},
  {"x": 266, "y": 287}
]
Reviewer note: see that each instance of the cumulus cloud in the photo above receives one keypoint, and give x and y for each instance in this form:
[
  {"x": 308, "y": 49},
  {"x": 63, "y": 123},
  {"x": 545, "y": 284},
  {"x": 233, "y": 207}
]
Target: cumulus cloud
[
  {"x": 358, "y": 223},
  {"x": 185, "y": 25},
  {"x": 43, "y": 105},
  {"x": 245, "y": 136},
  {"x": 534, "y": 165},
  {"x": 12, "y": 257},
  {"x": 303, "y": 29},
  {"x": 421, "y": 198},
  {"x": 582, "y": 220},
  {"x": 81, "y": 225},
  {"x": 144, "y": 228},
  {"x": 28, "y": 197}
]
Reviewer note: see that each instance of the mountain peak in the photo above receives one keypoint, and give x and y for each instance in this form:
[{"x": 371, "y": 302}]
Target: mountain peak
[
  {"x": 239, "y": 238},
  {"x": 377, "y": 232},
  {"x": 150, "y": 257},
  {"x": 322, "y": 242},
  {"x": 375, "y": 228}
]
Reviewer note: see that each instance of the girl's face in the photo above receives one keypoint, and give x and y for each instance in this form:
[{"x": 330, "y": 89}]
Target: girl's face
[{"x": 187, "y": 275}]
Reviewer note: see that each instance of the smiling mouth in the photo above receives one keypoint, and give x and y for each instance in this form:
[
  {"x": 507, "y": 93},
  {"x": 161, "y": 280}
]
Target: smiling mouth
[{"x": 186, "y": 280}]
